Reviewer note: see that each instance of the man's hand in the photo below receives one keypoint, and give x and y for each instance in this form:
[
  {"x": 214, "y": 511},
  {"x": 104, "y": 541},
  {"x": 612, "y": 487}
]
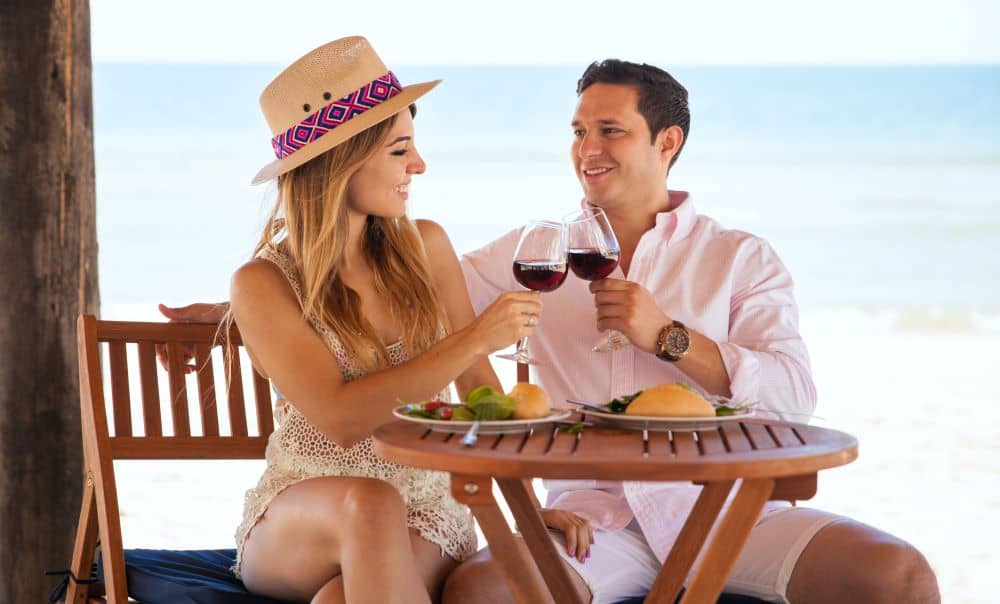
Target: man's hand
[
  {"x": 198, "y": 312},
  {"x": 629, "y": 308},
  {"x": 579, "y": 533}
]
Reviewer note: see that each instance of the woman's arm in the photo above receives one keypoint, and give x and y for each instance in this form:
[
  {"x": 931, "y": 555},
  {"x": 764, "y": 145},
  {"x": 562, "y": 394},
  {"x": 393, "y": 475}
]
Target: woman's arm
[
  {"x": 294, "y": 356},
  {"x": 450, "y": 284}
]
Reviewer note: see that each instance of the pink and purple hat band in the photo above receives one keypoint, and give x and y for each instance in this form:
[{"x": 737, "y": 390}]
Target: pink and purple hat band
[{"x": 335, "y": 114}]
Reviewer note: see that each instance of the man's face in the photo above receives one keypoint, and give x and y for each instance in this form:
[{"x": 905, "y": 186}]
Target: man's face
[{"x": 612, "y": 154}]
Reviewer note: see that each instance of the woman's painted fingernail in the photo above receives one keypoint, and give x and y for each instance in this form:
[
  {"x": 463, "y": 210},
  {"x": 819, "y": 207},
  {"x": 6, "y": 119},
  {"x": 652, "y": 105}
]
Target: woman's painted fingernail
[{"x": 572, "y": 552}]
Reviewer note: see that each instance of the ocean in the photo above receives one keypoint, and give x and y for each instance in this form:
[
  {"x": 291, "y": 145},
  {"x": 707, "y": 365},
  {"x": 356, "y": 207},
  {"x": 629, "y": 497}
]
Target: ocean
[{"x": 879, "y": 187}]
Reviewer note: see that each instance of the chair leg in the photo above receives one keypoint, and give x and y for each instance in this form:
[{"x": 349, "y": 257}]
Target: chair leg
[{"x": 84, "y": 547}]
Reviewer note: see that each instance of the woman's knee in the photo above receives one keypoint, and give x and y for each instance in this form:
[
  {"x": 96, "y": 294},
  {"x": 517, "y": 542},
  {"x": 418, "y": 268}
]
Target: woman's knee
[{"x": 371, "y": 503}]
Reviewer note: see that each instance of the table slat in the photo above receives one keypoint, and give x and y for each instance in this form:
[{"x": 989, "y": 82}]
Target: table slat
[
  {"x": 711, "y": 442},
  {"x": 684, "y": 445},
  {"x": 735, "y": 438}
]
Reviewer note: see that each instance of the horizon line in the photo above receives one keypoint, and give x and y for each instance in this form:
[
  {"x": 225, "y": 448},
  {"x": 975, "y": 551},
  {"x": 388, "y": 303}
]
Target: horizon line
[{"x": 874, "y": 64}]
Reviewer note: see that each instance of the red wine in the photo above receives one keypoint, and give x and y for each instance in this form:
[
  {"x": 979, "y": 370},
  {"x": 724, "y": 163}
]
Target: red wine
[
  {"x": 540, "y": 275},
  {"x": 592, "y": 264}
]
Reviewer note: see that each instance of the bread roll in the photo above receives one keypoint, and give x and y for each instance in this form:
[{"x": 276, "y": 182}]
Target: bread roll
[
  {"x": 670, "y": 400},
  {"x": 532, "y": 402}
]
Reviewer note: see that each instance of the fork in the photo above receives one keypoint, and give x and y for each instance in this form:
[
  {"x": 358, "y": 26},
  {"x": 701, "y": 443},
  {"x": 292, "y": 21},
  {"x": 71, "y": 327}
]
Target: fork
[
  {"x": 471, "y": 437},
  {"x": 599, "y": 408}
]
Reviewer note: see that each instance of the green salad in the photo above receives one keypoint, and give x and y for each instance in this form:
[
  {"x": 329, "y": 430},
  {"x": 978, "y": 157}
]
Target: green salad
[{"x": 483, "y": 403}]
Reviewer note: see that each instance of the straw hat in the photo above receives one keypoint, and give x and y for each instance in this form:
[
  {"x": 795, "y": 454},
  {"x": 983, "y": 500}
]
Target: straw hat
[{"x": 325, "y": 98}]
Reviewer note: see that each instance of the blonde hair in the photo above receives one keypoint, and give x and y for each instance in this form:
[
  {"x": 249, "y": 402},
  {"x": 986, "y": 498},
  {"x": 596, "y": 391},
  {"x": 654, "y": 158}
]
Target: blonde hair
[{"x": 309, "y": 223}]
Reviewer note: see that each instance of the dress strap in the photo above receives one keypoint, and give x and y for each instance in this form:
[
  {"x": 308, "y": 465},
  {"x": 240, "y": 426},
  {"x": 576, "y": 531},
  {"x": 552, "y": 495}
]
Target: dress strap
[{"x": 284, "y": 263}]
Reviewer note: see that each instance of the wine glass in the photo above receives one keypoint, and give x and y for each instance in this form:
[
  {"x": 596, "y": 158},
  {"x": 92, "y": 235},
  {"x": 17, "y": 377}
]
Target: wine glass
[
  {"x": 539, "y": 264},
  {"x": 593, "y": 254}
]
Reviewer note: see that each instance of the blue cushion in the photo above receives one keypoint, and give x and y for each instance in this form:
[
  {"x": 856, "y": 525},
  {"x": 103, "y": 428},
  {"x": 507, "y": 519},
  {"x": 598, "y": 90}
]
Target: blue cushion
[
  {"x": 723, "y": 599},
  {"x": 158, "y": 576}
]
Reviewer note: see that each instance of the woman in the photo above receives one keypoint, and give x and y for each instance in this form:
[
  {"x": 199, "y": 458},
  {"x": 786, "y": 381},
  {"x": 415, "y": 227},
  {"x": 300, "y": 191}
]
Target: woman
[{"x": 349, "y": 307}]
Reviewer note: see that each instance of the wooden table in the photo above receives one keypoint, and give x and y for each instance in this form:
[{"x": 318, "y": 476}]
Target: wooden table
[{"x": 775, "y": 460}]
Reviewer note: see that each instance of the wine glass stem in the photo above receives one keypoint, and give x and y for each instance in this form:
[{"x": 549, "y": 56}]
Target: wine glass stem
[{"x": 522, "y": 347}]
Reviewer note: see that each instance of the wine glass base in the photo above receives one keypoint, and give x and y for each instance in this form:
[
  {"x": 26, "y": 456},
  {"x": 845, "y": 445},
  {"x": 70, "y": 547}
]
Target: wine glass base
[
  {"x": 611, "y": 343},
  {"x": 517, "y": 358}
]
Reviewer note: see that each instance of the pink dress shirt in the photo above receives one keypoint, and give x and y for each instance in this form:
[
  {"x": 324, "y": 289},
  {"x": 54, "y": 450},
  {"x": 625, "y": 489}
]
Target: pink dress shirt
[{"x": 728, "y": 285}]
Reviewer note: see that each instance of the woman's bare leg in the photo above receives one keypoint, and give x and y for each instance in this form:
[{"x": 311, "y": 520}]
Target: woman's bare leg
[
  {"x": 322, "y": 528},
  {"x": 433, "y": 566}
]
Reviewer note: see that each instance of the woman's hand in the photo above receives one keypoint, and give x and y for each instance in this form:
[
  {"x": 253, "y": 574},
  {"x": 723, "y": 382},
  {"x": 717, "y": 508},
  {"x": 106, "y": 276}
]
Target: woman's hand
[
  {"x": 513, "y": 315},
  {"x": 579, "y": 534}
]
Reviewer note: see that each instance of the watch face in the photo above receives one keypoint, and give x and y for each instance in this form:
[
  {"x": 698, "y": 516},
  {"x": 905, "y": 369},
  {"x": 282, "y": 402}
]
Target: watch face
[{"x": 677, "y": 341}]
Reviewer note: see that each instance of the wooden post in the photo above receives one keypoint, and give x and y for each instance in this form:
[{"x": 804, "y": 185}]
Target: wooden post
[{"x": 48, "y": 275}]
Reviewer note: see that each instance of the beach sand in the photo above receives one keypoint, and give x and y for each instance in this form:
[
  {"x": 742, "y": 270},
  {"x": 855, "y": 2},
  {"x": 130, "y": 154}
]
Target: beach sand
[{"x": 928, "y": 468}]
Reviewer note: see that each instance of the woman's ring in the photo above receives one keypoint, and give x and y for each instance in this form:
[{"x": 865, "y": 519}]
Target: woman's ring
[{"x": 532, "y": 321}]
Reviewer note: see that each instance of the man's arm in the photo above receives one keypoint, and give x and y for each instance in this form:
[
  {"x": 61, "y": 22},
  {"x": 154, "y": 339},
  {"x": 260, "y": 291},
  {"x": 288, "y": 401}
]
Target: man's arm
[
  {"x": 766, "y": 356},
  {"x": 763, "y": 359},
  {"x": 488, "y": 272},
  {"x": 199, "y": 312},
  {"x": 630, "y": 308}
]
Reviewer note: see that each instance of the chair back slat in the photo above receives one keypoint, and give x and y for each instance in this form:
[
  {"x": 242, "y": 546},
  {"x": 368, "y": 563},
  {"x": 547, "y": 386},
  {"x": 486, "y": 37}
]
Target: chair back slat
[
  {"x": 262, "y": 397},
  {"x": 206, "y": 390},
  {"x": 234, "y": 382},
  {"x": 121, "y": 401},
  {"x": 150, "y": 389},
  {"x": 178, "y": 391},
  {"x": 146, "y": 378},
  {"x": 142, "y": 380}
]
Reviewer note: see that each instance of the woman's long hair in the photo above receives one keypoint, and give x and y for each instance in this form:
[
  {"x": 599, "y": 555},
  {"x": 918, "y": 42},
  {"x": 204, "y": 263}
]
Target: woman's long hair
[{"x": 309, "y": 223}]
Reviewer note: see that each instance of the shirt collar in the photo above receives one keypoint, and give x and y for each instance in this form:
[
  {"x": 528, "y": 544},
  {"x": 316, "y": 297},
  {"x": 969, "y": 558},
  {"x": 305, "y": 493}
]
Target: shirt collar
[{"x": 675, "y": 222}]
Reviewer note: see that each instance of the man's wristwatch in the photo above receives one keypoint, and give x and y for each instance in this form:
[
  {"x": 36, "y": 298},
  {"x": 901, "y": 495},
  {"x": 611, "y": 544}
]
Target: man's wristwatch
[{"x": 674, "y": 341}]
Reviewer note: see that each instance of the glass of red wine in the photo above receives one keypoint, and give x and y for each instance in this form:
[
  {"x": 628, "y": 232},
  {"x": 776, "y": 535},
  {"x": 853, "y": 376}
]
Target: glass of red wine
[
  {"x": 540, "y": 265},
  {"x": 593, "y": 254}
]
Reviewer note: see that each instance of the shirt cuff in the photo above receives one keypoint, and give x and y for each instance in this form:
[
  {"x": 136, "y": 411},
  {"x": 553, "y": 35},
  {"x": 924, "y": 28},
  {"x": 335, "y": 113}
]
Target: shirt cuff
[{"x": 743, "y": 368}]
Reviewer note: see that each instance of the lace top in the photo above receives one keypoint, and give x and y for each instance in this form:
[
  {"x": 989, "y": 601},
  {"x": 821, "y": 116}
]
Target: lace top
[{"x": 297, "y": 450}]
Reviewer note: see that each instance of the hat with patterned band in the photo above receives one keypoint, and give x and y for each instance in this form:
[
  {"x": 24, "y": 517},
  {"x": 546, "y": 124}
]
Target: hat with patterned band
[{"x": 325, "y": 98}]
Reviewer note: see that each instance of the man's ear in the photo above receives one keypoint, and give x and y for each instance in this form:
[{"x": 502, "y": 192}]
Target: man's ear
[{"x": 669, "y": 142}]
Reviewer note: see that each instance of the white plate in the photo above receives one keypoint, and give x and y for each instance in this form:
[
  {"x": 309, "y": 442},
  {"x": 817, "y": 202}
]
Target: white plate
[
  {"x": 662, "y": 424},
  {"x": 503, "y": 426}
]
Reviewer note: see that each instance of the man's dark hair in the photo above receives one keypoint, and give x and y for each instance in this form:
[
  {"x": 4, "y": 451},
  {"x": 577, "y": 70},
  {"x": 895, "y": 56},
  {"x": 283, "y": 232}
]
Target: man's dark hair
[{"x": 663, "y": 102}]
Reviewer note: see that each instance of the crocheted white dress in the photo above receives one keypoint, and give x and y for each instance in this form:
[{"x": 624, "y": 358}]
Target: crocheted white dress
[{"x": 297, "y": 451}]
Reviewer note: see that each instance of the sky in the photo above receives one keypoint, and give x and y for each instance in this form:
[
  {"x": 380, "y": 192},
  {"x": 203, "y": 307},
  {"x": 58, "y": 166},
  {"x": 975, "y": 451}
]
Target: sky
[{"x": 536, "y": 32}]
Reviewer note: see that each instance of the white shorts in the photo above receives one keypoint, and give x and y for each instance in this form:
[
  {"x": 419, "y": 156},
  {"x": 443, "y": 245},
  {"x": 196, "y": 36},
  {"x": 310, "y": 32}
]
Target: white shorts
[{"x": 621, "y": 565}]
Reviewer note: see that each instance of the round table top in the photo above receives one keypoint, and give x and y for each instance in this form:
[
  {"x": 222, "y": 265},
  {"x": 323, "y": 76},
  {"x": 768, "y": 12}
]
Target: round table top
[{"x": 751, "y": 448}]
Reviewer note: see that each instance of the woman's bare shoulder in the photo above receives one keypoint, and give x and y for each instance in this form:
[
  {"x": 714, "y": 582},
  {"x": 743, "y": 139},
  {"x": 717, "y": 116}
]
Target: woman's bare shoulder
[
  {"x": 260, "y": 281},
  {"x": 440, "y": 253},
  {"x": 432, "y": 233}
]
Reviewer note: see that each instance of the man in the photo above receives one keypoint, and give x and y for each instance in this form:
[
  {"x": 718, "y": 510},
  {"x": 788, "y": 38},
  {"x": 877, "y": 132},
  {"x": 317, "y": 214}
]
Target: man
[{"x": 700, "y": 304}]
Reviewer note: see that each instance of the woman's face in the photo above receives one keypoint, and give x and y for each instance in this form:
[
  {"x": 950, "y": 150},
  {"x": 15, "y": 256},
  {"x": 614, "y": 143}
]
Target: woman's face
[{"x": 381, "y": 186}]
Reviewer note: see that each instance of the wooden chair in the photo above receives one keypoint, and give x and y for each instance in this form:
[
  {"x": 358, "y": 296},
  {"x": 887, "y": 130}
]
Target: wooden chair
[{"x": 242, "y": 435}]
